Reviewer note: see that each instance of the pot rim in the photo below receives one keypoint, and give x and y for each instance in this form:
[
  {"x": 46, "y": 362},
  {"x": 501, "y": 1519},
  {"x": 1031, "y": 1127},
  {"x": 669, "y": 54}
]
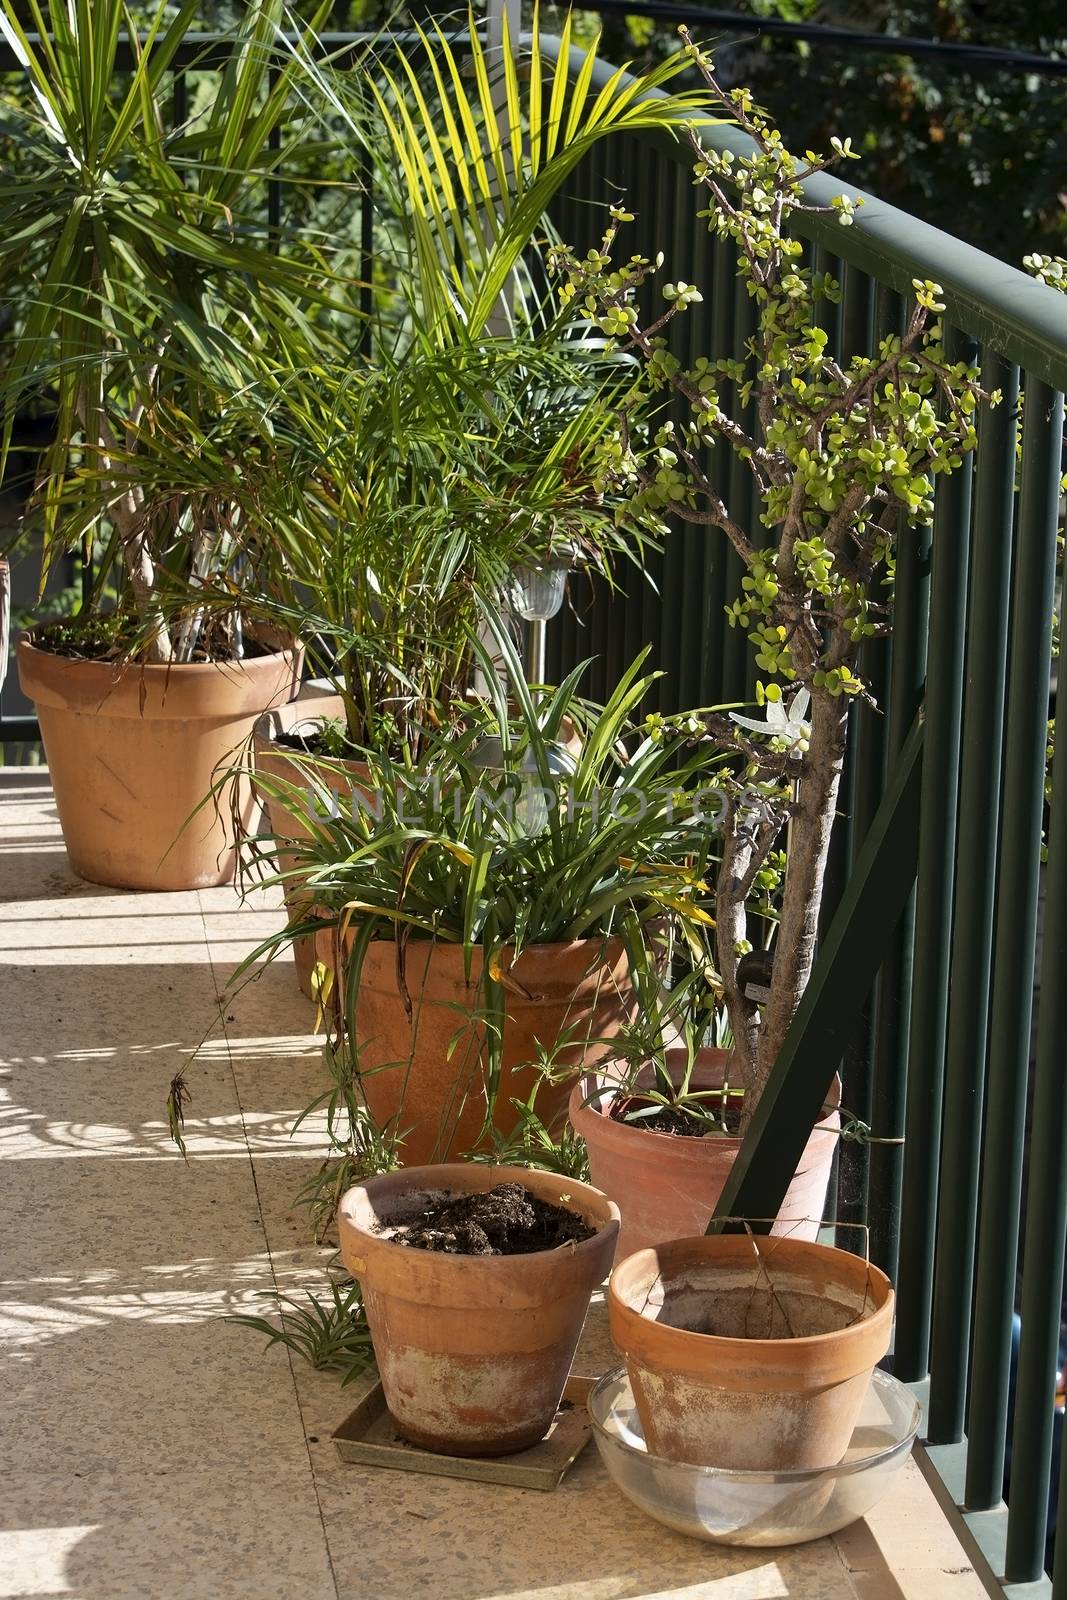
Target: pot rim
[
  {"x": 119, "y": 668},
  {"x": 581, "y": 1102},
  {"x": 686, "y": 1339},
  {"x": 606, "y": 940},
  {"x": 448, "y": 1175}
]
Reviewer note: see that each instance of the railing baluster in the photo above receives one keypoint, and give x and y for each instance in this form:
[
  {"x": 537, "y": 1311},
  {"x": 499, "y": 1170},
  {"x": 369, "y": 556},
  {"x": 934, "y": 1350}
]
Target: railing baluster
[
  {"x": 933, "y": 926},
  {"x": 889, "y": 1098},
  {"x": 1046, "y": 1201},
  {"x": 972, "y": 932},
  {"x": 1009, "y": 1045},
  {"x": 866, "y": 781}
]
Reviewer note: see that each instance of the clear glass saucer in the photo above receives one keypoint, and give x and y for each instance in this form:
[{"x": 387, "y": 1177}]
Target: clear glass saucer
[{"x": 728, "y": 1506}]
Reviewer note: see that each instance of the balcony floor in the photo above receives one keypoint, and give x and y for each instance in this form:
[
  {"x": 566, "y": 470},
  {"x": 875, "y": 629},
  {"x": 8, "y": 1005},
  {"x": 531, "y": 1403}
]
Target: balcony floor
[{"x": 150, "y": 1448}]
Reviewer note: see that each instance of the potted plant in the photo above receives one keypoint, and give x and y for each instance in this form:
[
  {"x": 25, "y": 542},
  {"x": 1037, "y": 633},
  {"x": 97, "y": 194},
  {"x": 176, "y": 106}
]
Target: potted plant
[
  {"x": 661, "y": 1115},
  {"x": 844, "y": 457},
  {"x": 401, "y": 492},
  {"x": 131, "y": 259},
  {"x": 486, "y": 911},
  {"x": 476, "y": 1281},
  {"x": 471, "y": 445}
]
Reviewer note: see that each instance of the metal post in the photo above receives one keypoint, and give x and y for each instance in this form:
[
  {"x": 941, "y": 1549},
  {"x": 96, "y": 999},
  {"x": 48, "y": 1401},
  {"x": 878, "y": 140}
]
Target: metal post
[
  {"x": 1009, "y": 1049},
  {"x": 976, "y": 892}
]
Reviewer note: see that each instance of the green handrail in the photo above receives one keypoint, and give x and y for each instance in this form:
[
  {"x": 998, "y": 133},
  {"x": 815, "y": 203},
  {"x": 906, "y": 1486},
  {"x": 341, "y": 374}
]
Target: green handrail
[{"x": 1006, "y": 310}]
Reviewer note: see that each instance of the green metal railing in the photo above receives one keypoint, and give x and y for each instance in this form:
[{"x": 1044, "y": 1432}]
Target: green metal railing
[{"x": 939, "y": 1059}]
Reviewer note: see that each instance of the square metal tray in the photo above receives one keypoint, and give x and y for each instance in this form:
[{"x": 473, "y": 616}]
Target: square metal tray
[{"x": 368, "y": 1438}]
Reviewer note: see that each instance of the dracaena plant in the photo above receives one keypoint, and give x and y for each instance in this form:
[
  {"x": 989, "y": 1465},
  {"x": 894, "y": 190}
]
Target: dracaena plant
[
  {"x": 844, "y": 455},
  {"x": 135, "y": 257}
]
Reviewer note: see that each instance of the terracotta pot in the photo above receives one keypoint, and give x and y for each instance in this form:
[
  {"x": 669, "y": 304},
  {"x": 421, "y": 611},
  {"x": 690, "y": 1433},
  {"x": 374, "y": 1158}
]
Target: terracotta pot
[
  {"x": 133, "y": 750},
  {"x": 287, "y": 818},
  {"x": 799, "y": 1328},
  {"x": 667, "y": 1186},
  {"x": 473, "y": 1351},
  {"x": 425, "y": 1076}
]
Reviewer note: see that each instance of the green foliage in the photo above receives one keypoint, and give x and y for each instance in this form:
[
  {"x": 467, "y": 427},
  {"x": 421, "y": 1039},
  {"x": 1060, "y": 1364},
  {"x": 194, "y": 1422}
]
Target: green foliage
[
  {"x": 330, "y": 1334},
  {"x": 497, "y": 836},
  {"x": 844, "y": 455},
  {"x": 131, "y": 254}
]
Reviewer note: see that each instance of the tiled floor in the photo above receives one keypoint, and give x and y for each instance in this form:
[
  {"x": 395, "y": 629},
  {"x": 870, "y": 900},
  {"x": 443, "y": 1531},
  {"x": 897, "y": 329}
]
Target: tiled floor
[{"x": 149, "y": 1450}]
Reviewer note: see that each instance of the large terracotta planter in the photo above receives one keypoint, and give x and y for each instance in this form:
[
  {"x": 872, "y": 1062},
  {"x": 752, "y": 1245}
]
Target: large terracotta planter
[
  {"x": 424, "y": 1076},
  {"x": 798, "y": 1330},
  {"x": 289, "y": 817},
  {"x": 667, "y": 1186},
  {"x": 134, "y": 749},
  {"x": 473, "y": 1351}
]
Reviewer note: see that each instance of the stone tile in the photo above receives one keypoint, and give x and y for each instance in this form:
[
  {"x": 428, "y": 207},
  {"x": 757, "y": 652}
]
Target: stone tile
[
  {"x": 907, "y": 1530},
  {"x": 252, "y": 1533},
  {"x": 919, "y": 1585}
]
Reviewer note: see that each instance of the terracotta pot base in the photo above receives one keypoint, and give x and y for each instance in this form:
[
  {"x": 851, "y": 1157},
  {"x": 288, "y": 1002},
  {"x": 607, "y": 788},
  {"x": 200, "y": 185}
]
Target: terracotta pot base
[
  {"x": 750, "y": 1353},
  {"x": 473, "y": 1351},
  {"x": 133, "y": 751}
]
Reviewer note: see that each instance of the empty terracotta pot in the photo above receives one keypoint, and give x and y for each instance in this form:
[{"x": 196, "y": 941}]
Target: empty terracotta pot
[
  {"x": 667, "y": 1185},
  {"x": 134, "y": 749},
  {"x": 425, "y": 1076},
  {"x": 473, "y": 1351},
  {"x": 746, "y": 1352},
  {"x": 288, "y": 816}
]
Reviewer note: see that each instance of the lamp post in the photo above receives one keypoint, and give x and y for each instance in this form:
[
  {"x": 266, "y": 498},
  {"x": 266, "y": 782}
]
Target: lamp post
[{"x": 536, "y": 595}]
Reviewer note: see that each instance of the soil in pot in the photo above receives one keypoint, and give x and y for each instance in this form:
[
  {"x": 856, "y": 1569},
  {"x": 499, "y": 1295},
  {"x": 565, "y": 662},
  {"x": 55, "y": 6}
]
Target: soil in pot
[
  {"x": 506, "y": 1221},
  {"x": 473, "y": 1349},
  {"x": 750, "y": 1353},
  {"x": 665, "y": 1181},
  {"x": 134, "y": 749}
]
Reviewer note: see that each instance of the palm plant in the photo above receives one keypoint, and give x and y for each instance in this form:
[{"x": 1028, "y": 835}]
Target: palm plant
[
  {"x": 469, "y": 146},
  {"x": 136, "y": 258}
]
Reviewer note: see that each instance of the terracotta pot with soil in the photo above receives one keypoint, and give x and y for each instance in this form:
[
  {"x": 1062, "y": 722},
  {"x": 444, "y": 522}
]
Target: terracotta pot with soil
[
  {"x": 474, "y": 1349},
  {"x": 667, "y": 1181},
  {"x": 133, "y": 749},
  {"x": 424, "y": 1074},
  {"x": 284, "y": 749},
  {"x": 749, "y": 1352}
]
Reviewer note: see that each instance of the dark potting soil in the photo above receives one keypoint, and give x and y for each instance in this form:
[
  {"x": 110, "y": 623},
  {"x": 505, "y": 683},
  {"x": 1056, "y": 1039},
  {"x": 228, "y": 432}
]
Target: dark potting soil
[
  {"x": 676, "y": 1119},
  {"x": 112, "y": 636},
  {"x": 505, "y": 1221}
]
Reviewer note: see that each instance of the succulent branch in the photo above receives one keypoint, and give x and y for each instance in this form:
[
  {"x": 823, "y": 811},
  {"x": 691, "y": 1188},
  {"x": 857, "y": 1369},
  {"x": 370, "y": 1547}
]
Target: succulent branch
[{"x": 845, "y": 458}]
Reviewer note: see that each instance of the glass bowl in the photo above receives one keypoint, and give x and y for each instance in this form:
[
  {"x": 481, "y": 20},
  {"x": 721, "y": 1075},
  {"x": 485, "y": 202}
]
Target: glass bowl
[{"x": 728, "y": 1506}]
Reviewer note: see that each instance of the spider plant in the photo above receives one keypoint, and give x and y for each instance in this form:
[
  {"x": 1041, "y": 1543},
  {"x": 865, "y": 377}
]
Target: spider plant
[
  {"x": 330, "y": 1334},
  {"x": 653, "y": 1059},
  {"x": 135, "y": 257},
  {"x": 495, "y": 839}
]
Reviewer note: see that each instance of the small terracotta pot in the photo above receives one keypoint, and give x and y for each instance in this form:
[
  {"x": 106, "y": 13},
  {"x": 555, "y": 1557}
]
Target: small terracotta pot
[
  {"x": 798, "y": 1330},
  {"x": 134, "y": 749},
  {"x": 473, "y": 1351},
  {"x": 425, "y": 1076},
  {"x": 287, "y": 818},
  {"x": 667, "y": 1185}
]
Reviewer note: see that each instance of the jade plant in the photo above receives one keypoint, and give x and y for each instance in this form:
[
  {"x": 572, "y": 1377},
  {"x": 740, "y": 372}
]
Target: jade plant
[{"x": 844, "y": 454}]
